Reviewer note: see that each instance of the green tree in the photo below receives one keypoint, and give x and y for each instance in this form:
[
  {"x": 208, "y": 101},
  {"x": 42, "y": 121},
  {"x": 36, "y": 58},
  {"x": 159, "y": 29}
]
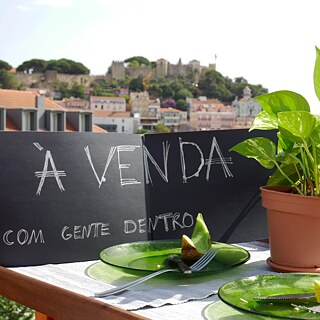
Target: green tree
[
  {"x": 155, "y": 89},
  {"x": 58, "y": 65},
  {"x": 32, "y": 66},
  {"x": 66, "y": 66},
  {"x": 77, "y": 90},
  {"x": 136, "y": 84},
  {"x": 7, "y": 80},
  {"x": 240, "y": 80},
  {"x": 10, "y": 310},
  {"x": 213, "y": 85},
  {"x": 183, "y": 94},
  {"x": 182, "y": 105},
  {"x": 166, "y": 91},
  {"x": 257, "y": 90},
  {"x": 142, "y": 131},
  {"x": 138, "y": 61},
  {"x": 5, "y": 65},
  {"x": 63, "y": 88},
  {"x": 161, "y": 128}
]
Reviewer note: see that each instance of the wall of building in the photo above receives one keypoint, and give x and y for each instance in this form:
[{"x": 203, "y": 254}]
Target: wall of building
[{"x": 123, "y": 125}]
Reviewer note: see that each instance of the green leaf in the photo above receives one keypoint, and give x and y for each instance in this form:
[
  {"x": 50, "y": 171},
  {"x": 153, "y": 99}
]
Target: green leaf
[
  {"x": 297, "y": 126},
  {"x": 317, "y": 116},
  {"x": 261, "y": 149},
  {"x": 283, "y": 100},
  {"x": 316, "y": 74},
  {"x": 277, "y": 178},
  {"x": 284, "y": 144},
  {"x": 316, "y": 136},
  {"x": 264, "y": 121}
]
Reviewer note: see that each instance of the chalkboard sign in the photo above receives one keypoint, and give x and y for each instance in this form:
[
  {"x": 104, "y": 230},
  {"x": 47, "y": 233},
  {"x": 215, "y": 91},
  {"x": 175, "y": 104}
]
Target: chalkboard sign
[
  {"x": 66, "y": 196},
  {"x": 194, "y": 172}
]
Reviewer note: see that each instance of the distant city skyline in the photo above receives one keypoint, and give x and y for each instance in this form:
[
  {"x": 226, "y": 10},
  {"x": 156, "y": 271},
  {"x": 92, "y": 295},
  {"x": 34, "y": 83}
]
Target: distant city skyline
[{"x": 271, "y": 43}]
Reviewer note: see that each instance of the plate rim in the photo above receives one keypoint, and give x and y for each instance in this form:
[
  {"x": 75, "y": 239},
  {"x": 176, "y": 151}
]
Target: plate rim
[
  {"x": 171, "y": 240},
  {"x": 282, "y": 275}
]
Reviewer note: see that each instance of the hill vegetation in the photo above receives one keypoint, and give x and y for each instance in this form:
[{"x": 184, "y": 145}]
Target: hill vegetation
[{"x": 212, "y": 85}]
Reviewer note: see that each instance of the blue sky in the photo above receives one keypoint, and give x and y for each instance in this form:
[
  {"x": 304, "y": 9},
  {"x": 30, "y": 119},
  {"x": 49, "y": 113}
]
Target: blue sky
[{"x": 271, "y": 42}]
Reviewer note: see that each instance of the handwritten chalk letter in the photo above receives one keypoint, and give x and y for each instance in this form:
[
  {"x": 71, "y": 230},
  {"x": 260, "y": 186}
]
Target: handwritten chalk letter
[
  {"x": 147, "y": 155},
  {"x": 103, "y": 178},
  {"x": 54, "y": 173},
  {"x": 183, "y": 162},
  {"x": 221, "y": 160},
  {"x": 119, "y": 149},
  {"x": 126, "y": 181}
]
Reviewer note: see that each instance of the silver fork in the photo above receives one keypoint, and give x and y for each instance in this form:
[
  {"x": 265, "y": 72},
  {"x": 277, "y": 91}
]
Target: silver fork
[{"x": 196, "y": 267}]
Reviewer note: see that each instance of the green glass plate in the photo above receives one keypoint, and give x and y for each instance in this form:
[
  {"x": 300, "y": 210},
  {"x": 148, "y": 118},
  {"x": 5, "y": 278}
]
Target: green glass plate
[
  {"x": 152, "y": 255},
  {"x": 241, "y": 294},
  {"x": 219, "y": 310}
]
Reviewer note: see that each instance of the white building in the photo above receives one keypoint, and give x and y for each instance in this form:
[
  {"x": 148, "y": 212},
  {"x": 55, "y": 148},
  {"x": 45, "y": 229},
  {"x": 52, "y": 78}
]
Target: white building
[
  {"x": 246, "y": 108},
  {"x": 119, "y": 122},
  {"x": 104, "y": 103},
  {"x": 139, "y": 103},
  {"x": 210, "y": 114},
  {"x": 173, "y": 118}
]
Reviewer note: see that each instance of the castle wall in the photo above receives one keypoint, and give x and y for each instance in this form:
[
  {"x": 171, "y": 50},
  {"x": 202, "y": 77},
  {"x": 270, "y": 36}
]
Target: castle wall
[
  {"x": 175, "y": 70},
  {"x": 35, "y": 78},
  {"x": 29, "y": 79},
  {"x": 135, "y": 72}
]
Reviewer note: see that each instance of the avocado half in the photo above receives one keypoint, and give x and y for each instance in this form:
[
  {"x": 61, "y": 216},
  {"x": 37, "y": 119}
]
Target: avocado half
[{"x": 195, "y": 247}]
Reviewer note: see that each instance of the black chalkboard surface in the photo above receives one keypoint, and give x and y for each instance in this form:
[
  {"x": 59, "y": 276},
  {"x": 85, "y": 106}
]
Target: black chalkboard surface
[
  {"x": 195, "y": 172},
  {"x": 66, "y": 196}
]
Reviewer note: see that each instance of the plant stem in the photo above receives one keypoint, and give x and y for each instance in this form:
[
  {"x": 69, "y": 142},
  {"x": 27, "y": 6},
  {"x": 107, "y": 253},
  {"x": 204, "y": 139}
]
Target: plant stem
[
  {"x": 291, "y": 182},
  {"x": 304, "y": 152},
  {"x": 315, "y": 166}
]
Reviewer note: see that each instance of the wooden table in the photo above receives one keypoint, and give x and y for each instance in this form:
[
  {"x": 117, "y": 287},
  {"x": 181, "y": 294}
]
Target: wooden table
[{"x": 57, "y": 302}]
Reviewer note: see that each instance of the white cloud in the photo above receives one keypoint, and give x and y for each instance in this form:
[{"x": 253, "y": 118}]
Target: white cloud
[{"x": 54, "y": 3}]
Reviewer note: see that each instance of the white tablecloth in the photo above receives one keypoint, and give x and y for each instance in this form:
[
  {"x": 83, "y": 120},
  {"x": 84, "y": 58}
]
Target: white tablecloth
[{"x": 157, "y": 298}]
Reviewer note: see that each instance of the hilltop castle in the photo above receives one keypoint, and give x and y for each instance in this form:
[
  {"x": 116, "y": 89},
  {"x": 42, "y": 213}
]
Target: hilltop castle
[
  {"x": 119, "y": 71},
  {"x": 163, "y": 69}
]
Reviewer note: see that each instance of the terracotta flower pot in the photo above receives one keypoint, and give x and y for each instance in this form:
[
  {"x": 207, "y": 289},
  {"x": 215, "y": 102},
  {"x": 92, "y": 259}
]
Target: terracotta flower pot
[{"x": 294, "y": 230}]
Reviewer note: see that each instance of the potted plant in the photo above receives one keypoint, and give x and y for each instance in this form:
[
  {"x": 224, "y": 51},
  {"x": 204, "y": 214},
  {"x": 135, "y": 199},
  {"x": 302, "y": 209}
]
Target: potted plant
[{"x": 292, "y": 193}]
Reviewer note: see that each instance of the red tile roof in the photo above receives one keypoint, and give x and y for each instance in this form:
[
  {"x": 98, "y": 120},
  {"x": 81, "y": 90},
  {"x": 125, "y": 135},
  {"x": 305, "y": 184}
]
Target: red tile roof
[
  {"x": 169, "y": 110},
  {"x": 107, "y": 98},
  {"x": 15, "y": 99},
  {"x": 110, "y": 114}
]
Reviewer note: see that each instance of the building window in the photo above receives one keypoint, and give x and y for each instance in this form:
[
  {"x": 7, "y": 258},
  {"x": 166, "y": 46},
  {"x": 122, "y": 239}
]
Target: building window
[
  {"x": 57, "y": 121},
  {"x": 86, "y": 122},
  {"x": 122, "y": 128},
  {"x": 28, "y": 121},
  {"x": 2, "y": 119}
]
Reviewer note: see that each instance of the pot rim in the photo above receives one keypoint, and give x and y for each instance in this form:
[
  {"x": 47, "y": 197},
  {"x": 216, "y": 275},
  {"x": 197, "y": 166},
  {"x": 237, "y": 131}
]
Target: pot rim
[{"x": 281, "y": 200}]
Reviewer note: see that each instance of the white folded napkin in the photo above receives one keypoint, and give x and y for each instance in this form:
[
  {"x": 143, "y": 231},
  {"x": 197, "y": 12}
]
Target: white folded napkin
[{"x": 162, "y": 290}]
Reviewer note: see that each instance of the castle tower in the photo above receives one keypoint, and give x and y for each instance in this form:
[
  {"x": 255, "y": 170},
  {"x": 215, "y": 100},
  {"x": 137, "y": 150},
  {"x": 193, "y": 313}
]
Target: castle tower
[
  {"x": 162, "y": 68},
  {"x": 118, "y": 70},
  {"x": 196, "y": 70}
]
